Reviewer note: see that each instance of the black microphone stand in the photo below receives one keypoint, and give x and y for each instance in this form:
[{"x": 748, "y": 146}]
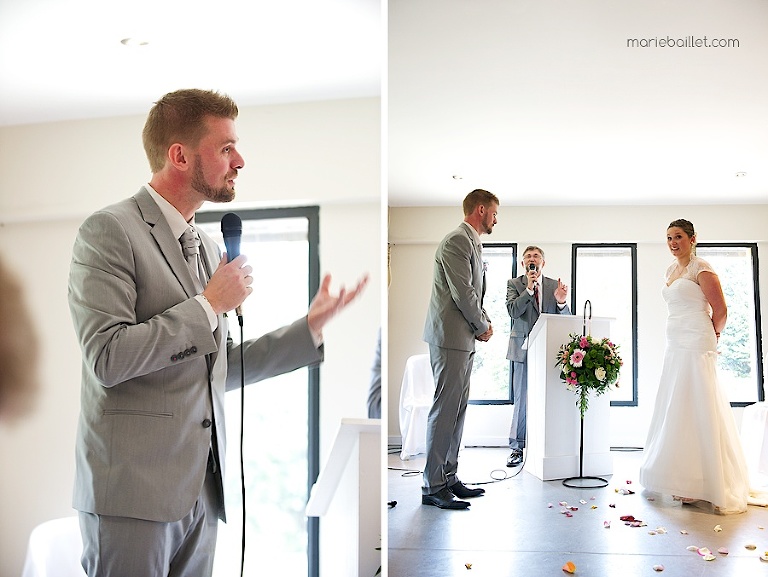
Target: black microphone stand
[{"x": 584, "y": 482}]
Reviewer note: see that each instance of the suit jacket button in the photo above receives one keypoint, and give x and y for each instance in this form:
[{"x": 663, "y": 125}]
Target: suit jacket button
[
  {"x": 207, "y": 423},
  {"x": 194, "y": 350},
  {"x": 187, "y": 352},
  {"x": 174, "y": 358}
]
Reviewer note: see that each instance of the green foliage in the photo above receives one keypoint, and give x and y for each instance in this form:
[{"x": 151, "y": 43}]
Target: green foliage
[{"x": 735, "y": 343}]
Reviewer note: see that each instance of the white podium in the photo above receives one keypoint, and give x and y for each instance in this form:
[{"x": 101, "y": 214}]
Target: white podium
[
  {"x": 554, "y": 422},
  {"x": 347, "y": 495}
]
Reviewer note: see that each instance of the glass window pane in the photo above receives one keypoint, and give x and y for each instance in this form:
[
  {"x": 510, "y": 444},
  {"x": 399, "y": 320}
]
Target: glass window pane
[
  {"x": 738, "y": 358},
  {"x": 604, "y": 277},
  {"x": 490, "y": 370},
  {"x": 276, "y": 429}
]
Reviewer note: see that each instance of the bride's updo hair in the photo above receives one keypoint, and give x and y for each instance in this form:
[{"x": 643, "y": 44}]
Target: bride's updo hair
[{"x": 686, "y": 226}]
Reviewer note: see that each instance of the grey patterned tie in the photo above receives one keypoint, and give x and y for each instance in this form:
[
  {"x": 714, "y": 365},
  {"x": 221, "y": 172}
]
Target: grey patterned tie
[{"x": 190, "y": 245}]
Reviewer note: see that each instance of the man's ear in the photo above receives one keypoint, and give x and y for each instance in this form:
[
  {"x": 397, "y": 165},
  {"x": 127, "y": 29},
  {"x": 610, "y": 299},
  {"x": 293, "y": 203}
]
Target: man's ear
[{"x": 177, "y": 156}]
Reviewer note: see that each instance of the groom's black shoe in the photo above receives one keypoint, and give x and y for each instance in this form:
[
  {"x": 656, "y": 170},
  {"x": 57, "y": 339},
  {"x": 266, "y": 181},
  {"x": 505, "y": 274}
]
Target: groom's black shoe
[
  {"x": 463, "y": 492},
  {"x": 443, "y": 499},
  {"x": 515, "y": 458}
]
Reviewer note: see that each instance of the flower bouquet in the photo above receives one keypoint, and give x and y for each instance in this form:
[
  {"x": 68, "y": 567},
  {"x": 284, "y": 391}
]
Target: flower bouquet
[{"x": 588, "y": 366}]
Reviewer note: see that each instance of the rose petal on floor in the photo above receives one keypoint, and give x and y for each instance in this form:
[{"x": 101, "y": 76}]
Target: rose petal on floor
[{"x": 569, "y": 567}]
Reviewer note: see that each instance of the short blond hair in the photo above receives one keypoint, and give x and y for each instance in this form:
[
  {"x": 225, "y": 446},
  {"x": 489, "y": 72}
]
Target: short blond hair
[
  {"x": 180, "y": 117},
  {"x": 476, "y": 198}
]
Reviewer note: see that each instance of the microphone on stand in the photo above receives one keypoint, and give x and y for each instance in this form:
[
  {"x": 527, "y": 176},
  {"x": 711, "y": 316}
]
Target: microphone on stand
[{"x": 232, "y": 230}]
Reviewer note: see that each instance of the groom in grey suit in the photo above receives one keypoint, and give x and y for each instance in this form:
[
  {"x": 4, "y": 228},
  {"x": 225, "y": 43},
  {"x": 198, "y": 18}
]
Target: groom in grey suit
[
  {"x": 528, "y": 296},
  {"x": 455, "y": 320},
  {"x": 156, "y": 351}
]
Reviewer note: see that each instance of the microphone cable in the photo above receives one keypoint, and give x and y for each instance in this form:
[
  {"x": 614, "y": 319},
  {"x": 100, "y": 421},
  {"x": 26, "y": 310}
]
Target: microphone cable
[
  {"x": 232, "y": 232},
  {"x": 242, "y": 436}
]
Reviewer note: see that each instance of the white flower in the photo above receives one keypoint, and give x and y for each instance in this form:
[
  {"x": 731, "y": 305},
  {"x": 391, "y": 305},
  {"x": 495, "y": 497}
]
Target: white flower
[{"x": 600, "y": 373}]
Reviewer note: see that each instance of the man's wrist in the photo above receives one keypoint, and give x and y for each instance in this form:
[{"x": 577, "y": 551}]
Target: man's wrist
[{"x": 213, "y": 319}]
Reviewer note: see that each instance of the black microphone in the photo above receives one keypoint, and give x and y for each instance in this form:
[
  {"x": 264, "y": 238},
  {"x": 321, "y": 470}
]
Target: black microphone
[
  {"x": 232, "y": 230},
  {"x": 531, "y": 266}
]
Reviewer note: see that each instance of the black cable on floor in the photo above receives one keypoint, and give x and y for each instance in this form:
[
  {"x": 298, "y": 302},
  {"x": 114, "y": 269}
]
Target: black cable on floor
[{"x": 407, "y": 472}]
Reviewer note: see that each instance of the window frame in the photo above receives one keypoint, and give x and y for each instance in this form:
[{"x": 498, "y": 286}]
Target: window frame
[
  {"x": 510, "y": 400},
  {"x": 632, "y": 246},
  {"x": 312, "y": 214},
  {"x": 752, "y": 246}
]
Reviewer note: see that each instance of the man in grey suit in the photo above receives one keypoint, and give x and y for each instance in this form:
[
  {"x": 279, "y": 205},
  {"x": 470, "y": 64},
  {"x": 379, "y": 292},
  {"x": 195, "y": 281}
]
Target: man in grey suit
[
  {"x": 157, "y": 354},
  {"x": 528, "y": 295},
  {"x": 455, "y": 320}
]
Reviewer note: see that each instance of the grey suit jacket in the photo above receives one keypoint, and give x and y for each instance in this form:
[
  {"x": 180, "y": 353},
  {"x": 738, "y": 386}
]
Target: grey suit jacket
[
  {"x": 153, "y": 373},
  {"x": 455, "y": 315},
  {"x": 522, "y": 309}
]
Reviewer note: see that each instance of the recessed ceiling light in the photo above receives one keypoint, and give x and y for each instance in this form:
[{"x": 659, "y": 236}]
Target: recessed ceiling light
[
  {"x": 740, "y": 174},
  {"x": 133, "y": 42}
]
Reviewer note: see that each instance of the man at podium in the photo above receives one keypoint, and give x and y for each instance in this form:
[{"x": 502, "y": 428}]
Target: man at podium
[{"x": 528, "y": 296}]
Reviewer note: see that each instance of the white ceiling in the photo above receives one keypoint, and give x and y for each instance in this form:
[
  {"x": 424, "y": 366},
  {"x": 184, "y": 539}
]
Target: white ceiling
[
  {"x": 543, "y": 103},
  {"x": 539, "y": 101},
  {"x": 63, "y": 59}
]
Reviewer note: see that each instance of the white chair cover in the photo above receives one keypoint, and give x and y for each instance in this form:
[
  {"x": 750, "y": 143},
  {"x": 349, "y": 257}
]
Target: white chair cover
[
  {"x": 416, "y": 395},
  {"x": 54, "y": 550},
  {"x": 754, "y": 439}
]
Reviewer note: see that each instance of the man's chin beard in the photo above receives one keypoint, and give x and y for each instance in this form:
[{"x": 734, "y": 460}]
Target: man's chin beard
[
  {"x": 217, "y": 195},
  {"x": 224, "y": 195}
]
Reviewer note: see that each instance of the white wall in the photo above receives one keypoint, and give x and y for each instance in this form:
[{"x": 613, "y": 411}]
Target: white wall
[
  {"x": 414, "y": 234},
  {"x": 53, "y": 175}
]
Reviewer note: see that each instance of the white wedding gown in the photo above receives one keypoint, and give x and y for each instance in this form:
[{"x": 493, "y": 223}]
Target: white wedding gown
[{"x": 693, "y": 449}]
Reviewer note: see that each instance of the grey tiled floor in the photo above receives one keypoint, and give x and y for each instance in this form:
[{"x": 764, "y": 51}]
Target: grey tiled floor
[{"x": 511, "y": 530}]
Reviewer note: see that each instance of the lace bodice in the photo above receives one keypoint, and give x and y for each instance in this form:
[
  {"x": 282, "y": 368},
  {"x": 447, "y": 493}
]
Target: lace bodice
[{"x": 690, "y": 272}]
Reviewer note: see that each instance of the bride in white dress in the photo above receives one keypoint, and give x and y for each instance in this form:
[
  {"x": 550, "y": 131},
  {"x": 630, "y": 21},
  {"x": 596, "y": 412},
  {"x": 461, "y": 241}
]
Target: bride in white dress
[{"x": 693, "y": 450}]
